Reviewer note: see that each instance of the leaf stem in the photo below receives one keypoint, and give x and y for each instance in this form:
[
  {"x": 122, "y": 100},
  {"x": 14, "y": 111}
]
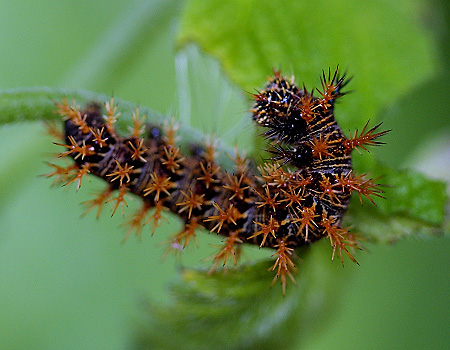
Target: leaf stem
[{"x": 37, "y": 103}]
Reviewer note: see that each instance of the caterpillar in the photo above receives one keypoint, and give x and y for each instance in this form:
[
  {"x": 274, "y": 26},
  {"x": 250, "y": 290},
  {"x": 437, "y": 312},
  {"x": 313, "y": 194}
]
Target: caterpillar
[{"x": 296, "y": 197}]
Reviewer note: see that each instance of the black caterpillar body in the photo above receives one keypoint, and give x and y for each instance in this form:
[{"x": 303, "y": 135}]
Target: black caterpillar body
[{"x": 296, "y": 198}]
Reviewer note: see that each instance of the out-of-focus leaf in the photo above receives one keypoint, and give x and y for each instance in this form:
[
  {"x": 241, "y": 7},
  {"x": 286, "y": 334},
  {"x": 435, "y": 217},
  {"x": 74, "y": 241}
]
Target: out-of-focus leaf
[
  {"x": 116, "y": 49},
  {"x": 382, "y": 44},
  {"x": 239, "y": 309}
]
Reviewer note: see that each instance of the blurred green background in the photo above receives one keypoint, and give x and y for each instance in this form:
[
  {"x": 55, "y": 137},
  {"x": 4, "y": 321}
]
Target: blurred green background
[{"x": 68, "y": 283}]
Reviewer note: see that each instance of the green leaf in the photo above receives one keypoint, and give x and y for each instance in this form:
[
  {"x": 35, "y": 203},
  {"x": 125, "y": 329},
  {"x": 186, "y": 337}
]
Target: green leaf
[
  {"x": 239, "y": 309},
  {"x": 381, "y": 44},
  {"x": 414, "y": 195},
  {"x": 414, "y": 205}
]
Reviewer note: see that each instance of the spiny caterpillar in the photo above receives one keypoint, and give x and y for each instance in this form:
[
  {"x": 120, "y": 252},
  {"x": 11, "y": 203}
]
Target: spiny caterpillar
[{"x": 295, "y": 198}]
